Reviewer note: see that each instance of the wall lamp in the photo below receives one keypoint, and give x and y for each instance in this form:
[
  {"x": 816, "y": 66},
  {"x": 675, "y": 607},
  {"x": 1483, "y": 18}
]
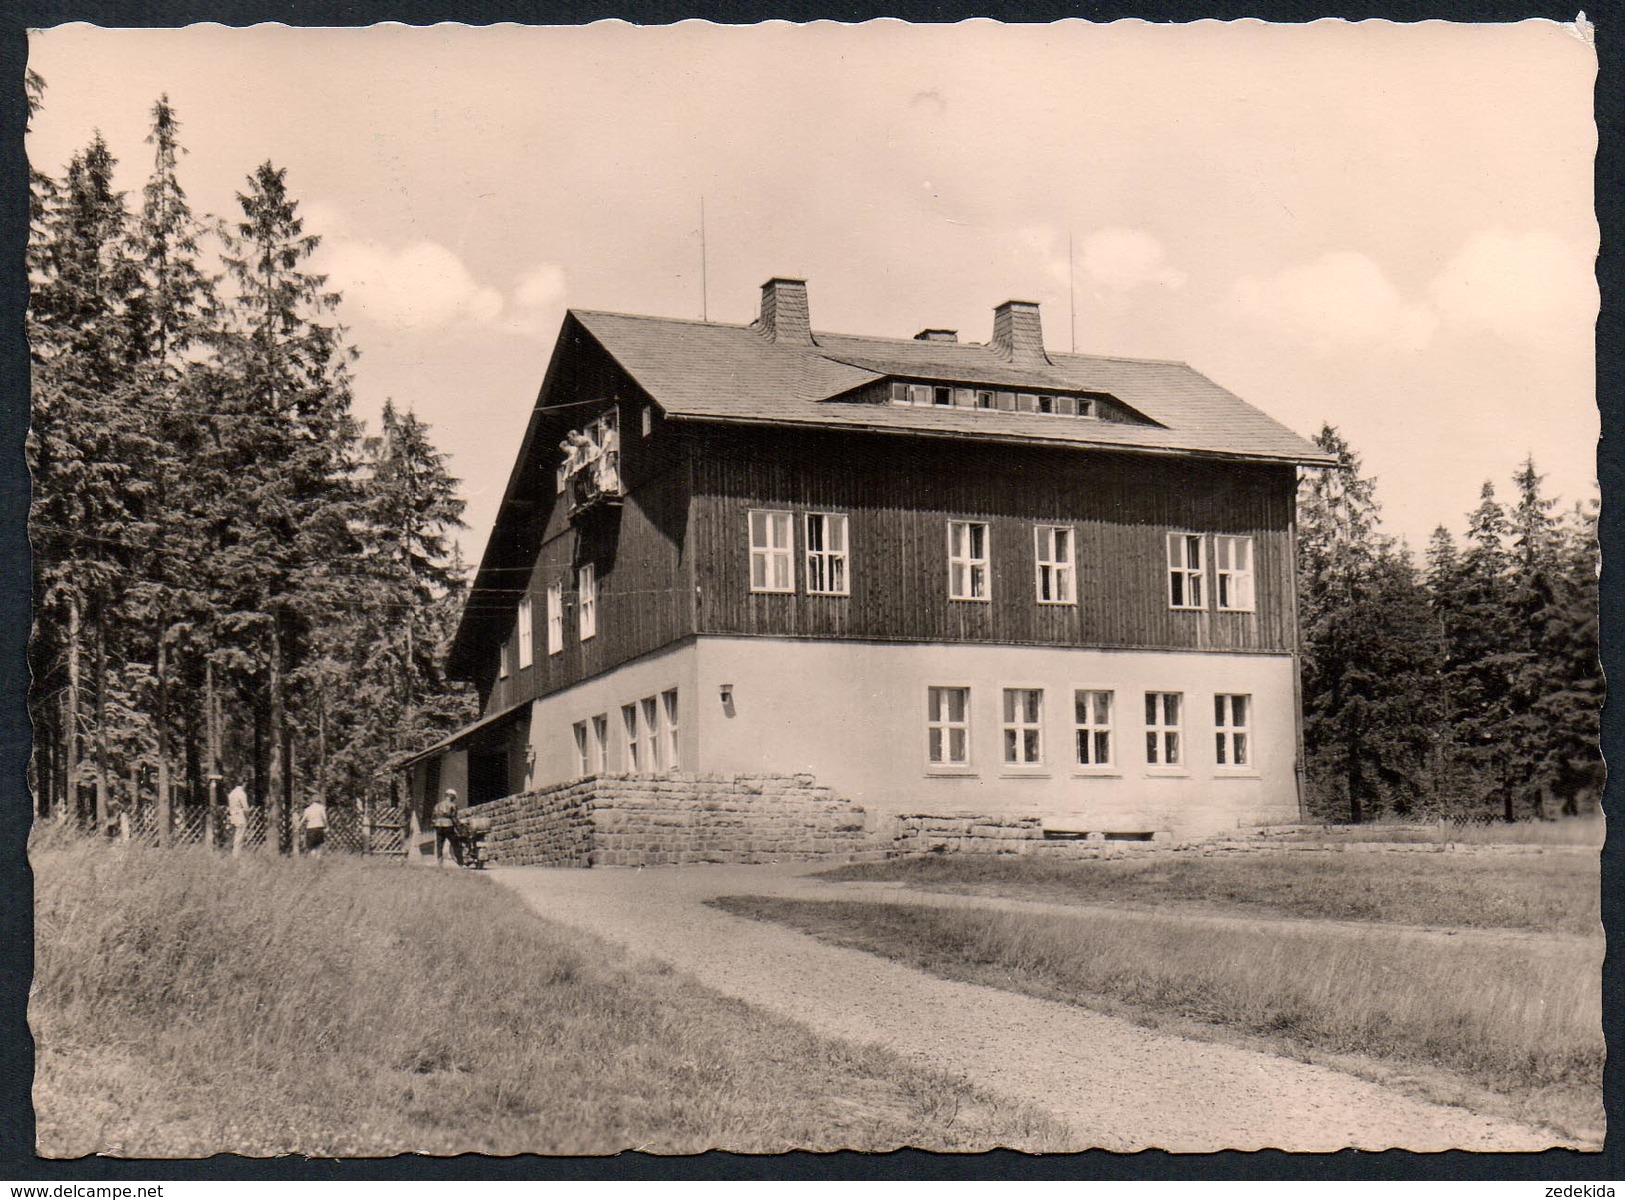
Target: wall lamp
[{"x": 726, "y": 690}]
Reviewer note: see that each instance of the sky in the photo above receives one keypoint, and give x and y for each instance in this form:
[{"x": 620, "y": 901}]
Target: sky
[{"x": 1384, "y": 227}]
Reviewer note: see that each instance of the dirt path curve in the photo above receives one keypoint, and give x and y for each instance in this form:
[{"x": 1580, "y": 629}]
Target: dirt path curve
[{"x": 1118, "y": 1086}]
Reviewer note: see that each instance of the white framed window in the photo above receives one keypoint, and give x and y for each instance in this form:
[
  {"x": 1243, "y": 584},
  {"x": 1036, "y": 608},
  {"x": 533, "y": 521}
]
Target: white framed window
[
  {"x": 600, "y": 744},
  {"x": 826, "y": 554},
  {"x": 668, "y": 712},
  {"x": 984, "y": 399},
  {"x": 653, "y": 750},
  {"x": 555, "y": 618},
  {"x": 503, "y": 670},
  {"x": 1086, "y": 406},
  {"x": 1233, "y": 573},
  {"x": 583, "y": 749},
  {"x": 634, "y": 757},
  {"x": 1232, "y": 743},
  {"x": 1092, "y": 719},
  {"x": 647, "y": 417},
  {"x": 947, "y": 723},
  {"x": 526, "y": 629},
  {"x": 771, "y": 565},
  {"x": 942, "y": 397},
  {"x": 1185, "y": 570},
  {"x": 1023, "y": 726},
  {"x": 1162, "y": 729},
  {"x": 1057, "y": 570},
  {"x": 587, "y": 593},
  {"x": 967, "y": 560}
]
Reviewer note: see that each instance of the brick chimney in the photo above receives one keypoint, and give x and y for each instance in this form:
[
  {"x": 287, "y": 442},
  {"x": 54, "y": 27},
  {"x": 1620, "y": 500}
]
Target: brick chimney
[
  {"x": 937, "y": 335},
  {"x": 784, "y": 315},
  {"x": 1017, "y": 335}
]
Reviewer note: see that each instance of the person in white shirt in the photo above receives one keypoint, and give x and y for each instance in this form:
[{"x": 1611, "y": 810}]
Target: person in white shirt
[
  {"x": 314, "y": 822},
  {"x": 237, "y": 818}
]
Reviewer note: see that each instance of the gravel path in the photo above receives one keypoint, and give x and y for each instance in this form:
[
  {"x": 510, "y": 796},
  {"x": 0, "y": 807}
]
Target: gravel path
[{"x": 1118, "y": 1086}]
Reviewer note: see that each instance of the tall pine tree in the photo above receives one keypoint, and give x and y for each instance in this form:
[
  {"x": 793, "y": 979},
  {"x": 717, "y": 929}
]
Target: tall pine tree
[
  {"x": 284, "y": 371},
  {"x": 1367, "y": 648}
]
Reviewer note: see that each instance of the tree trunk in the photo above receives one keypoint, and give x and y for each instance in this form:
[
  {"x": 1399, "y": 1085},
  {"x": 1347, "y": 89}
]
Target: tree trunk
[
  {"x": 211, "y": 747},
  {"x": 1352, "y": 775},
  {"x": 70, "y": 726},
  {"x": 161, "y": 731},
  {"x": 321, "y": 742},
  {"x": 276, "y": 836},
  {"x": 101, "y": 721}
]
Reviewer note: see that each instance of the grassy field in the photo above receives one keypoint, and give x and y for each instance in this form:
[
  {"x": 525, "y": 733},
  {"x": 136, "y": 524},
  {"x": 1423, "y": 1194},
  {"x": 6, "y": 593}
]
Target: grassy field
[
  {"x": 1558, "y": 891},
  {"x": 1520, "y": 1021},
  {"x": 186, "y": 1004},
  {"x": 1568, "y": 831}
]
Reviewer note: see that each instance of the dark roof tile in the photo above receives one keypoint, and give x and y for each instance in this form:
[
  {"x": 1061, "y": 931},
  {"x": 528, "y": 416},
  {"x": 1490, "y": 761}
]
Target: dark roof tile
[{"x": 713, "y": 371}]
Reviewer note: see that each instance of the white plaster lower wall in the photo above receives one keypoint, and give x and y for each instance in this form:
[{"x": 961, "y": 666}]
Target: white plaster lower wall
[
  {"x": 552, "y": 740},
  {"x": 854, "y": 715}
]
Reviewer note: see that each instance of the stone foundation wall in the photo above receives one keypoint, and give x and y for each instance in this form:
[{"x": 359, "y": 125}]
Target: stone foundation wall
[
  {"x": 548, "y": 828},
  {"x": 632, "y": 820},
  {"x": 928, "y": 834}
]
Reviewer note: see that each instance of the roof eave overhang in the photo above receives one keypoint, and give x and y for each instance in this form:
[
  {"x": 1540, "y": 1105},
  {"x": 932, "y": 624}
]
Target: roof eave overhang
[
  {"x": 467, "y": 731},
  {"x": 1302, "y": 460}
]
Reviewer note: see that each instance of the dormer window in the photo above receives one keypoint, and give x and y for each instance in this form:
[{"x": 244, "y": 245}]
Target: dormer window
[{"x": 985, "y": 399}]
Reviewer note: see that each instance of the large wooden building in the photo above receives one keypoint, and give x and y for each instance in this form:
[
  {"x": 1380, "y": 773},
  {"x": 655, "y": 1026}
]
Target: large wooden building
[{"x": 939, "y": 576}]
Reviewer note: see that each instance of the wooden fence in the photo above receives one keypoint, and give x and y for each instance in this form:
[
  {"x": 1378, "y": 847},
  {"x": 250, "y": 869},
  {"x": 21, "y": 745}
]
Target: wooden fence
[{"x": 379, "y": 829}]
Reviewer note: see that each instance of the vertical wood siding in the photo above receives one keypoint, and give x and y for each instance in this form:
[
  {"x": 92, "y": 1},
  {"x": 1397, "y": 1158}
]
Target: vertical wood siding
[
  {"x": 639, "y": 549},
  {"x": 899, "y": 496}
]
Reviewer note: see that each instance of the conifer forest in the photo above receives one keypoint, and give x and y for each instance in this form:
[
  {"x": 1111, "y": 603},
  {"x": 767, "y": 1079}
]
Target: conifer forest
[{"x": 235, "y": 581}]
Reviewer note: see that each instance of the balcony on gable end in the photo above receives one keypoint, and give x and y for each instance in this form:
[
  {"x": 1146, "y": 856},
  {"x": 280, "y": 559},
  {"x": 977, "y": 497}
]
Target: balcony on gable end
[{"x": 589, "y": 477}]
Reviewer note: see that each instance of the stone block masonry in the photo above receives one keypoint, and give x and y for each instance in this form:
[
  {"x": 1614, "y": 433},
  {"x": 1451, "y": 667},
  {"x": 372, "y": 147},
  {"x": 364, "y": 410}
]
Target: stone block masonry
[{"x": 649, "y": 820}]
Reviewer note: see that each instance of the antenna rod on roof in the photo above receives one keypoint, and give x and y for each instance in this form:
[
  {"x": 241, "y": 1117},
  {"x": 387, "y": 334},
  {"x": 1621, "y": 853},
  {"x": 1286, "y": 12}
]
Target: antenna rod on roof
[
  {"x": 704, "y": 283},
  {"x": 1071, "y": 293}
]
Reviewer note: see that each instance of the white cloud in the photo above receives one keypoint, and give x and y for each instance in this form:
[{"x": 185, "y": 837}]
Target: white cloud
[
  {"x": 1517, "y": 284},
  {"x": 1342, "y": 298},
  {"x": 419, "y": 288},
  {"x": 538, "y": 302},
  {"x": 423, "y": 288},
  {"x": 1124, "y": 259}
]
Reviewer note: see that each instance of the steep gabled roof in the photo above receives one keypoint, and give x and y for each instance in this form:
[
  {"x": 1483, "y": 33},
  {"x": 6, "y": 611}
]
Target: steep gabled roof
[{"x": 712, "y": 371}]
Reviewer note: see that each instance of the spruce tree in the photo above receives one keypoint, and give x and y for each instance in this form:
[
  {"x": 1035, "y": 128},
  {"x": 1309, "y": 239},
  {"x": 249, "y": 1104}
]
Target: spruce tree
[
  {"x": 1367, "y": 648},
  {"x": 88, "y": 441},
  {"x": 282, "y": 368}
]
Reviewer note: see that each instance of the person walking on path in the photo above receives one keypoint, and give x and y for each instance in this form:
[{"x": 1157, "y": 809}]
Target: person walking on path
[
  {"x": 314, "y": 822},
  {"x": 444, "y": 820},
  {"x": 237, "y": 818}
]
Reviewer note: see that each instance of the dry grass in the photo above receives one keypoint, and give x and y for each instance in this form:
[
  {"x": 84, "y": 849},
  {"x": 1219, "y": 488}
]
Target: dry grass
[
  {"x": 1559, "y": 891},
  {"x": 1567, "y": 831},
  {"x": 1520, "y": 1016},
  {"x": 186, "y": 1004}
]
